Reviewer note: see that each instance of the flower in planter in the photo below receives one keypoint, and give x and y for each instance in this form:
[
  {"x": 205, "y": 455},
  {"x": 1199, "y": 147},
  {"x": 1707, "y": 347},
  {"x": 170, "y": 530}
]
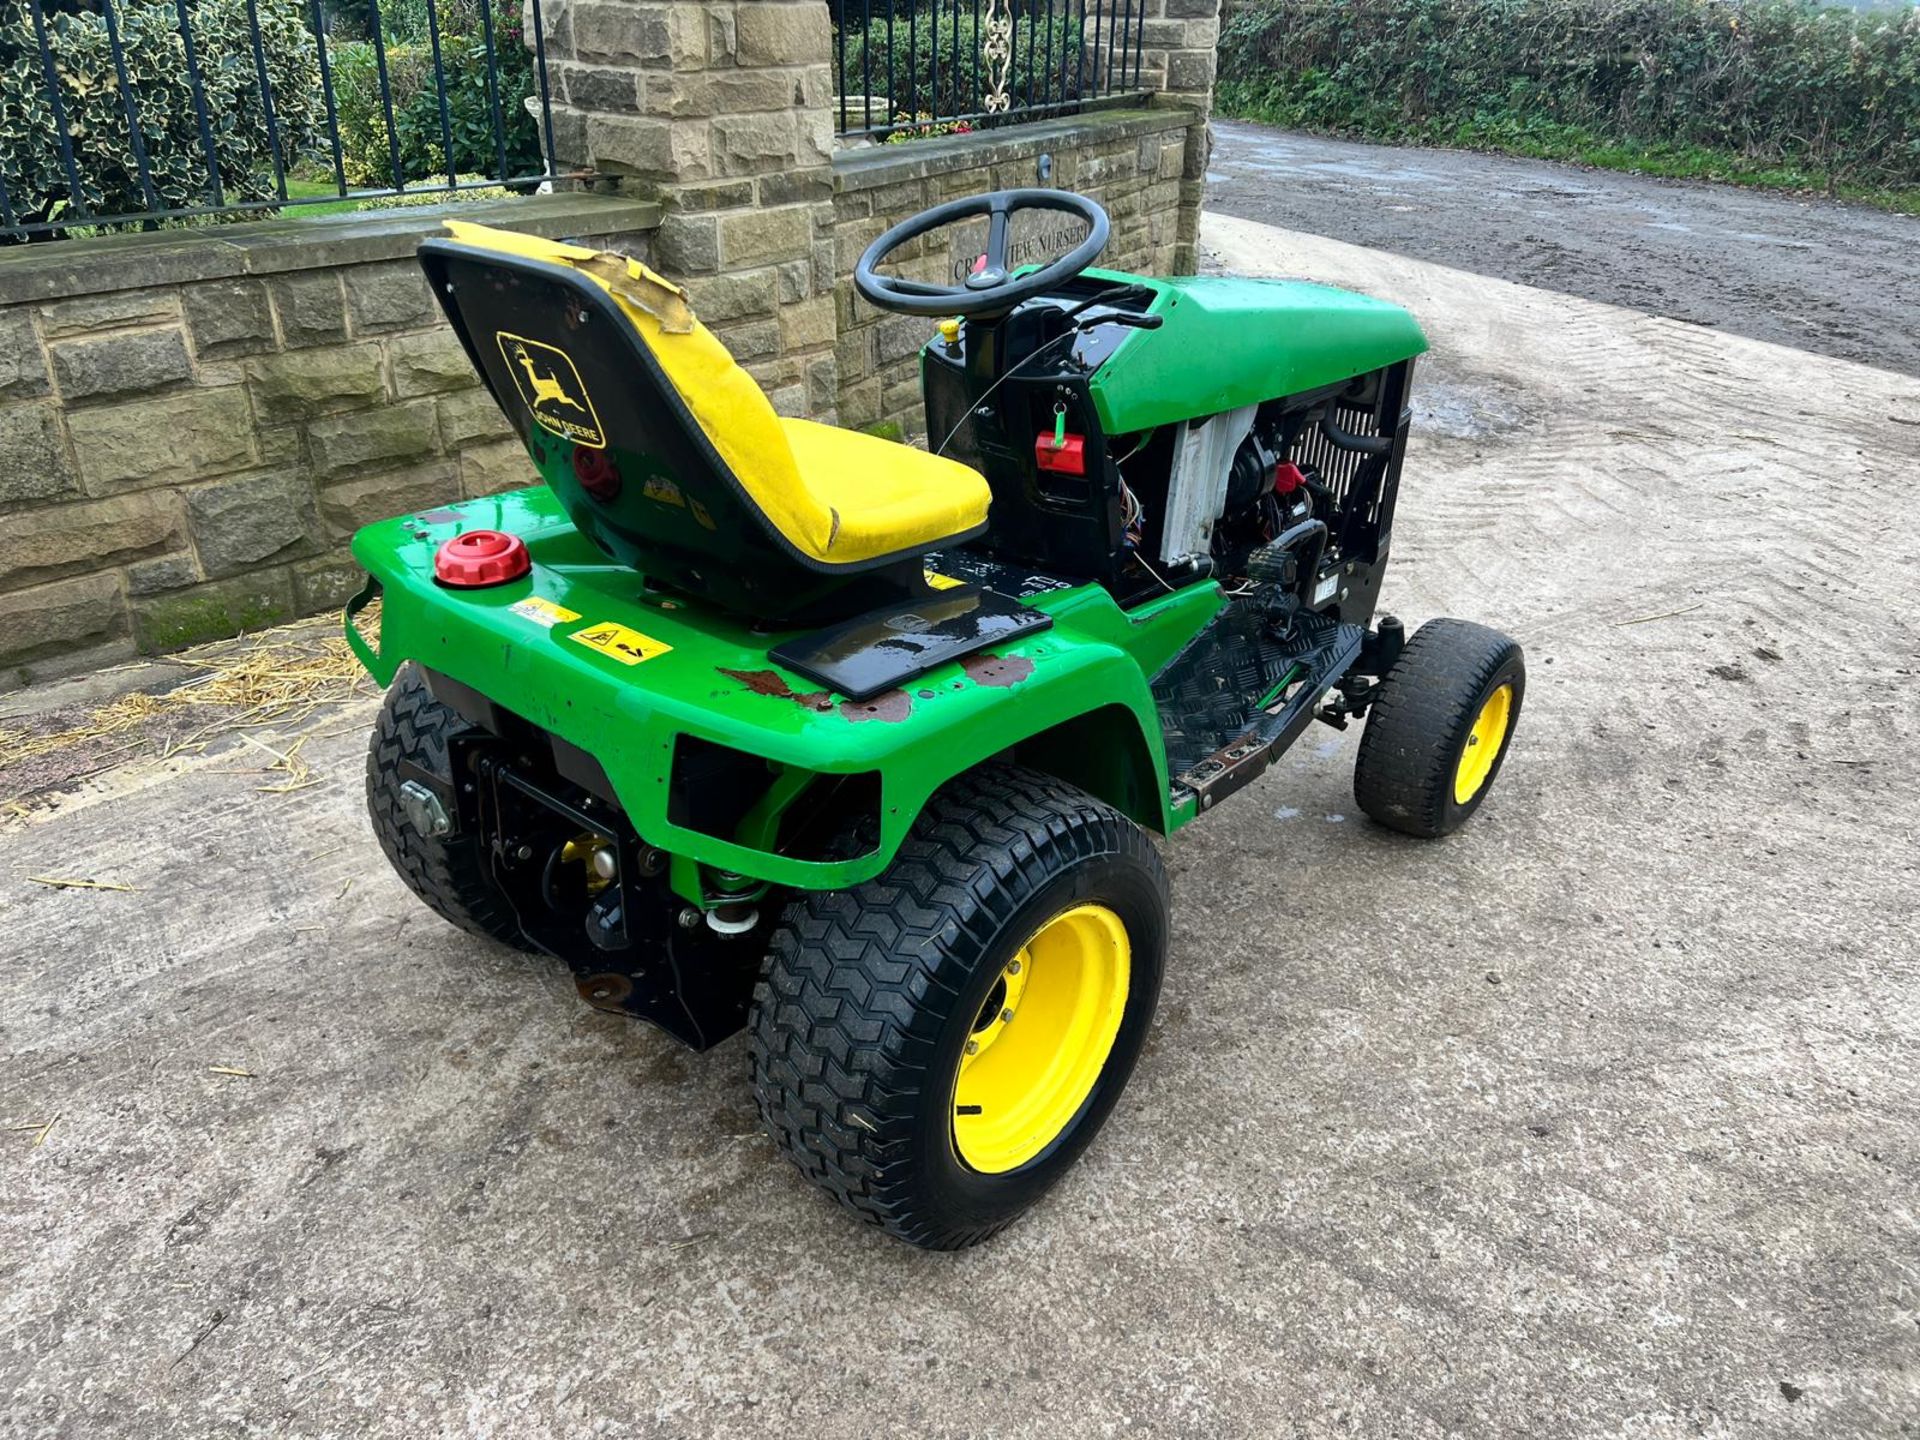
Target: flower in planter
[{"x": 923, "y": 126}]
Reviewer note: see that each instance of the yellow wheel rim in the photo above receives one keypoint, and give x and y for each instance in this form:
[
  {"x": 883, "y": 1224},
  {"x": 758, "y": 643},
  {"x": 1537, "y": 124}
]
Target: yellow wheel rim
[
  {"x": 1041, "y": 1039},
  {"x": 1484, "y": 743}
]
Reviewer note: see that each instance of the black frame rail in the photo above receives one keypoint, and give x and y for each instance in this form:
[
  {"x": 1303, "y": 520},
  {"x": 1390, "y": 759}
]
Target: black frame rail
[{"x": 326, "y": 157}]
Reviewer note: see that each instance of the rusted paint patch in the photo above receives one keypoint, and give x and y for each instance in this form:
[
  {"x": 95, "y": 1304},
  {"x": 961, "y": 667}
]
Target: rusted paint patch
[
  {"x": 889, "y": 707},
  {"x": 997, "y": 670},
  {"x": 769, "y": 683}
]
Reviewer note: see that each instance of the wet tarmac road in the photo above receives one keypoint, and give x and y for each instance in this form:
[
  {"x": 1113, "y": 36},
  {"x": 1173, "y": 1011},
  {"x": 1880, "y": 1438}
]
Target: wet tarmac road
[{"x": 1836, "y": 279}]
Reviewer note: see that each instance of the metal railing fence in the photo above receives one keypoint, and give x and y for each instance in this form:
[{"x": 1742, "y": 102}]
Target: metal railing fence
[
  {"x": 925, "y": 67},
  {"x": 127, "y": 113}
]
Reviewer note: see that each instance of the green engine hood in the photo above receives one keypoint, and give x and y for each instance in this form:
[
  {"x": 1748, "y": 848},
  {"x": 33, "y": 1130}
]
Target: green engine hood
[{"x": 1229, "y": 342}]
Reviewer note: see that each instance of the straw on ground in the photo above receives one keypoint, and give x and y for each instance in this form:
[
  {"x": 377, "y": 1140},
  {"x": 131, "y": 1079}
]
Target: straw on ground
[{"x": 280, "y": 677}]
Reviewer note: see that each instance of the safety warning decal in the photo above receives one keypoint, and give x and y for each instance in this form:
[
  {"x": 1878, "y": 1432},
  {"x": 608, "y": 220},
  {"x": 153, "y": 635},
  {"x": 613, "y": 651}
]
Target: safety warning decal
[
  {"x": 543, "y": 613},
  {"x": 629, "y": 647}
]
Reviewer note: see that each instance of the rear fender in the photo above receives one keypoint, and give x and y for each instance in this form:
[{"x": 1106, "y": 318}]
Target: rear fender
[{"x": 1105, "y": 753}]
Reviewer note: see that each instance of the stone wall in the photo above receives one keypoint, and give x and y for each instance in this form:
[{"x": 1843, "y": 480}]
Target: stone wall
[
  {"x": 720, "y": 111},
  {"x": 192, "y": 423},
  {"x": 1133, "y": 161}
]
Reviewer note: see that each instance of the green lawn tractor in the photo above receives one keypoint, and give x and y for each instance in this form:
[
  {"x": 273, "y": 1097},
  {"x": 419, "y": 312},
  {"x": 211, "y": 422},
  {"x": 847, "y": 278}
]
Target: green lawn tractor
[{"x": 760, "y": 723}]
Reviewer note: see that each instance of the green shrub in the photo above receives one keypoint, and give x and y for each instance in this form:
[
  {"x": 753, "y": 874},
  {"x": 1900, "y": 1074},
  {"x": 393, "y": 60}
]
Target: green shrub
[
  {"x": 360, "y": 114},
  {"x": 403, "y": 21},
  {"x": 30, "y": 159},
  {"x": 1776, "y": 83},
  {"x": 366, "y": 155},
  {"x": 934, "y": 64}
]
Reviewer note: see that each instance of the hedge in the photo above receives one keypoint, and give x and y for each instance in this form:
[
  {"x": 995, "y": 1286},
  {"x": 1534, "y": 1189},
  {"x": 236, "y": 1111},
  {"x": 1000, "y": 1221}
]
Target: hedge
[
  {"x": 1774, "y": 82},
  {"x": 366, "y": 157},
  {"x": 405, "y": 21},
  {"x": 30, "y": 160}
]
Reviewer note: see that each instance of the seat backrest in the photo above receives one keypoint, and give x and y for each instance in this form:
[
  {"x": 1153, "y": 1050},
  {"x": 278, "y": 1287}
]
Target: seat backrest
[{"x": 665, "y": 452}]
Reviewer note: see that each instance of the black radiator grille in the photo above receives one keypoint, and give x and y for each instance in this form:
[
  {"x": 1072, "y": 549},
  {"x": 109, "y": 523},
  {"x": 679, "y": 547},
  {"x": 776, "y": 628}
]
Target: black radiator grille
[{"x": 1353, "y": 480}]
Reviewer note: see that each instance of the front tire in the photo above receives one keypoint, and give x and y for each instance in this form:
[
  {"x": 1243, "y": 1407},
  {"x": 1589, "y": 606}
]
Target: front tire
[
  {"x": 937, "y": 1046},
  {"x": 1438, "y": 731}
]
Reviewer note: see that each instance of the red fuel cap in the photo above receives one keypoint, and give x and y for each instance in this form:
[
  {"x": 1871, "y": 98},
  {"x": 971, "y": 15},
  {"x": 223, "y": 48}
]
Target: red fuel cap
[{"x": 481, "y": 557}]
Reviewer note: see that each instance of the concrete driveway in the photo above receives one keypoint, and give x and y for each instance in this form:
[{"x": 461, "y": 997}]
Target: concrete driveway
[{"x": 1597, "y": 1119}]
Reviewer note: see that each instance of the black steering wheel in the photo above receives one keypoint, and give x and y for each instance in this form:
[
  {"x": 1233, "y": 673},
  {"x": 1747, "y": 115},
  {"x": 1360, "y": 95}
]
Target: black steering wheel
[{"x": 992, "y": 290}]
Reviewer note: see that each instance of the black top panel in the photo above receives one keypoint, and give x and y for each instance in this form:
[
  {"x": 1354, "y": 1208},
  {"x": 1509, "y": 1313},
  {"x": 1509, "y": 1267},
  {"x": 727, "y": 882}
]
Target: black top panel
[{"x": 886, "y": 648}]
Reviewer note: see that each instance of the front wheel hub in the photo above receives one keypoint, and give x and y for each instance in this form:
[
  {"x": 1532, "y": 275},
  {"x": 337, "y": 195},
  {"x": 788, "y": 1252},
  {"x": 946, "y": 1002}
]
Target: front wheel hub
[{"x": 1483, "y": 745}]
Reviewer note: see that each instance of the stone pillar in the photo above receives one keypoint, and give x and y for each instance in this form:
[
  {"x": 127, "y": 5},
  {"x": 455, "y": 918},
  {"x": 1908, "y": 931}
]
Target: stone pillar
[
  {"x": 722, "y": 112},
  {"x": 1181, "y": 45}
]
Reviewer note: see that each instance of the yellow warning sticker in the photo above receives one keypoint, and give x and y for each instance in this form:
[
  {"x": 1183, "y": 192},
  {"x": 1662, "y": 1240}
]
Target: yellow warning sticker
[
  {"x": 550, "y": 385},
  {"x": 629, "y": 647},
  {"x": 941, "y": 582},
  {"x": 543, "y": 612}
]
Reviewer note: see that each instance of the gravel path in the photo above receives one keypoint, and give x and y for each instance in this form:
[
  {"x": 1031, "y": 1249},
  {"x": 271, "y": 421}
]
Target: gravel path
[{"x": 1839, "y": 280}]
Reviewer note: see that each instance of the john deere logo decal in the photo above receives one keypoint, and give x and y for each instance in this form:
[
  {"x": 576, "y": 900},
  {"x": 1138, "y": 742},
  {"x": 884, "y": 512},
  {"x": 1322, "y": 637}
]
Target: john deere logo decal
[{"x": 551, "y": 388}]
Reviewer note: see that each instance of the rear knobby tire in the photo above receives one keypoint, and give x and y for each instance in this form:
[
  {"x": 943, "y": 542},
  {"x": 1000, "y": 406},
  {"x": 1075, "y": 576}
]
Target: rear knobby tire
[
  {"x": 452, "y": 873},
  {"x": 1420, "y": 726},
  {"x": 870, "y": 996}
]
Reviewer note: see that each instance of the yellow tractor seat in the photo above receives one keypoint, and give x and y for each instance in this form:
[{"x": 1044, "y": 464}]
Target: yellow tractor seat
[
  {"x": 838, "y": 498},
  {"x": 884, "y": 496}
]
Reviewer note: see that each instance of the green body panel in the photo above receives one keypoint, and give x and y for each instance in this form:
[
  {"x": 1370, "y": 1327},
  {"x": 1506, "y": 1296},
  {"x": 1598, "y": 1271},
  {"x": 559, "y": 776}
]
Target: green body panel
[
  {"x": 1081, "y": 687},
  {"x": 1224, "y": 343},
  {"x": 715, "y": 682}
]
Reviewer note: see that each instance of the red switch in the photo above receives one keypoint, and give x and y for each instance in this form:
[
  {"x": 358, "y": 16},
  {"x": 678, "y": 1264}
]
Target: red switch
[{"x": 1067, "y": 457}]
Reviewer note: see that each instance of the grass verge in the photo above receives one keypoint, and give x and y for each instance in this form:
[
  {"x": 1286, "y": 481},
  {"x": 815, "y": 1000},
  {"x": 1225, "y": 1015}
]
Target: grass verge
[{"x": 308, "y": 189}]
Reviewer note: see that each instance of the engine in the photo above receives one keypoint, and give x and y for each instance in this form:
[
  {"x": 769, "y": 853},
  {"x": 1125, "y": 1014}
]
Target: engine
[
  {"x": 1266, "y": 496},
  {"x": 1292, "y": 493}
]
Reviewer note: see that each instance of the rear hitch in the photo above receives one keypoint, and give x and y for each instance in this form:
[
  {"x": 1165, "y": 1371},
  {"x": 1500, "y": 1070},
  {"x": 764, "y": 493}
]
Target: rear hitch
[{"x": 584, "y": 887}]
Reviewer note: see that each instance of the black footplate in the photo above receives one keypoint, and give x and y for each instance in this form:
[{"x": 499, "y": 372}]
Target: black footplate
[
  {"x": 1239, "y": 693},
  {"x": 885, "y": 648}
]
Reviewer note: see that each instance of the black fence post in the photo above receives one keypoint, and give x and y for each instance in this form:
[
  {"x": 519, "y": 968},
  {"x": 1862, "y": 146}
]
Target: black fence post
[
  {"x": 440, "y": 88},
  {"x": 131, "y": 105},
  {"x": 200, "y": 105},
  {"x": 326, "y": 89},
  {"x": 493, "y": 92},
  {"x": 386, "y": 96},
  {"x": 52, "y": 78},
  {"x": 266, "y": 101},
  {"x": 546, "y": 96},
  {"x": 976, "y": 54},
  {"x": 866, "y": 61}
]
